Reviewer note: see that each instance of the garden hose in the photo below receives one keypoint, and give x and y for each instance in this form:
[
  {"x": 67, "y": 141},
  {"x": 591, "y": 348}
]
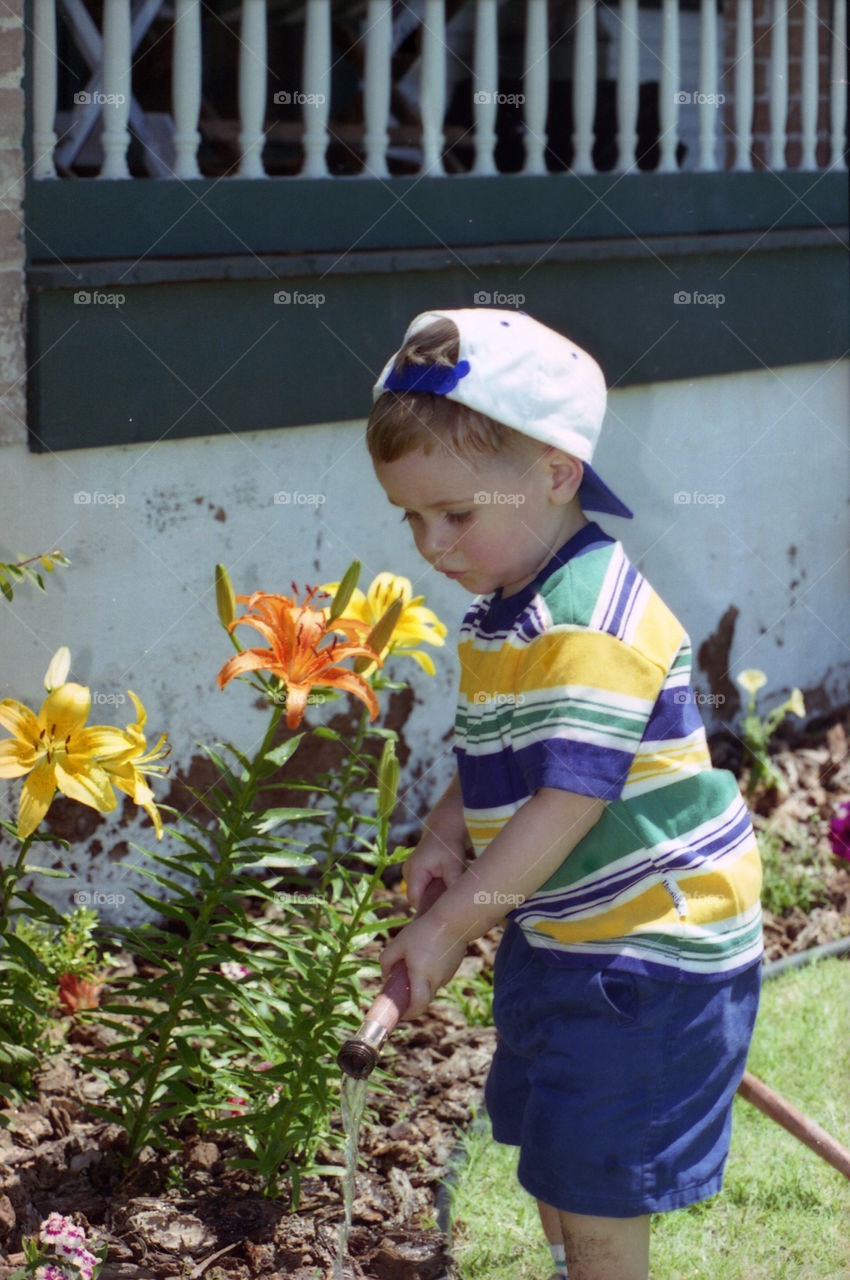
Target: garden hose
[{"x": 358, "y": 1057}]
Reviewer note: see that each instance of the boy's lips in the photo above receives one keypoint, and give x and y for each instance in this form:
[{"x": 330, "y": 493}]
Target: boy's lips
[{"x": 453, "y": 573}]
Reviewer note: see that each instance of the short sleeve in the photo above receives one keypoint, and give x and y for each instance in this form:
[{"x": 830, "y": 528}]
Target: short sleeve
[{"x": 582, "y": 704}]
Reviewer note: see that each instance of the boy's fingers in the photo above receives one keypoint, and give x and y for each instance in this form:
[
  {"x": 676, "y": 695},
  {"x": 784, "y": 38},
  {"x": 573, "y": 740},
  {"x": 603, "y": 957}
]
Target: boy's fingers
[{"x": 420, "y": 998}]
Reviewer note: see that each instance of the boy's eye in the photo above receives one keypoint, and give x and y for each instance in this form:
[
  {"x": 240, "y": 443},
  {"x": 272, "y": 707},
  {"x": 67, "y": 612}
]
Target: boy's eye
[
  {"x": 408, "y": 516},
  {"x": 458, "y": 517}
]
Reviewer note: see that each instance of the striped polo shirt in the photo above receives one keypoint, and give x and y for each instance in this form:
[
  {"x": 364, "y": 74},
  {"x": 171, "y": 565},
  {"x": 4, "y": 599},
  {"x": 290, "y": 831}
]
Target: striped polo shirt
[{"x": 581, "y": 681}]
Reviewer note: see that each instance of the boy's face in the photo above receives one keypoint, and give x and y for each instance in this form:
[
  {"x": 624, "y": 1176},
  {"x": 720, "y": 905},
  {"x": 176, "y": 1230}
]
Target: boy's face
[{"x": 488, "y": 521}]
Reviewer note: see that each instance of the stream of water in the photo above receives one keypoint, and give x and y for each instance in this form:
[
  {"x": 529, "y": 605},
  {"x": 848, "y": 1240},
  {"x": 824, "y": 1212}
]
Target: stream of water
[{"x": 353, "y": 1102}]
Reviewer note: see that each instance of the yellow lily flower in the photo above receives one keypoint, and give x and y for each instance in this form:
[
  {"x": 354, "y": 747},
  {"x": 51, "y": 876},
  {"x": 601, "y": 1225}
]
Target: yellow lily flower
[
  {"x": 795, "y": 703},
  {"x": 415, "y": 624},
  {"x": 57, "y": 751},
  {"x": 127, "y": 768},
  {"x": 752, "y": 680}
]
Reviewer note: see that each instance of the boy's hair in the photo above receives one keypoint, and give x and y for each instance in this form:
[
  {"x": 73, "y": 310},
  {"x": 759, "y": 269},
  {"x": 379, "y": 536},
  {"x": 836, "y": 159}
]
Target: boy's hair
[{"x": 401, "y": 421}]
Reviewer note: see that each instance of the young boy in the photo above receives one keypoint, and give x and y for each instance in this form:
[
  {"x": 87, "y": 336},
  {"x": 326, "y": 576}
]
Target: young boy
[{"x": 626, "y": 981}]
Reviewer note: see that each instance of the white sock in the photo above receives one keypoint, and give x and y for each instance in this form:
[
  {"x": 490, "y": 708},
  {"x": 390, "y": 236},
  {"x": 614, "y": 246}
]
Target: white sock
[{"x": 558, "y": 1258}]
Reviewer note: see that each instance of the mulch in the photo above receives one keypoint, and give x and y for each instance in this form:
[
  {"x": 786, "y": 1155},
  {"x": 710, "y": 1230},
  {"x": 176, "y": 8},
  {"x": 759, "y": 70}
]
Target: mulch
[{"x": 212, "y": 1221}]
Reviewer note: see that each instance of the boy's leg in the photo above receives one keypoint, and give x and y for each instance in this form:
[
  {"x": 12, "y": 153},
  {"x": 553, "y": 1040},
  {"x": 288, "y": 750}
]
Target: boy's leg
[
  {"x": 605, "y": 1248},
  {"x": 550, "y": 1218}
]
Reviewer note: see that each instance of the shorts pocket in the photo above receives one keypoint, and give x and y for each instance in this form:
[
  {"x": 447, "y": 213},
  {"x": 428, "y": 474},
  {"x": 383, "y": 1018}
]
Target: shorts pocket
[{"x": 621, "y": 994}]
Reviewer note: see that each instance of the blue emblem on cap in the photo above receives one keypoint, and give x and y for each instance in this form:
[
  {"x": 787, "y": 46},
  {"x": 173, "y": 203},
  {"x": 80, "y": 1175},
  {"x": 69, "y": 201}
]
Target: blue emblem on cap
[{"x": 439, "y": 379}]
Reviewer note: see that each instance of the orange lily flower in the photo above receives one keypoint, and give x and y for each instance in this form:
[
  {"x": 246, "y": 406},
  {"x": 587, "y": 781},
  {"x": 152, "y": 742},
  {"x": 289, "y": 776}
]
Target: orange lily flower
[{"x": 299, "y": 656}]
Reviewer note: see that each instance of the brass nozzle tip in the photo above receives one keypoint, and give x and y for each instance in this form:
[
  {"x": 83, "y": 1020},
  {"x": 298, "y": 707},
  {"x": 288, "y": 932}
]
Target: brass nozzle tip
[{"x": 357, "y": 1059}]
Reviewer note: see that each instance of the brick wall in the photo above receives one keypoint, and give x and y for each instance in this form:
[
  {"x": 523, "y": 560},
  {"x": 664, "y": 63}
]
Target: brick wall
[
  {"x": 12, "y": 293},
  {"x": 762, "y": 18}
]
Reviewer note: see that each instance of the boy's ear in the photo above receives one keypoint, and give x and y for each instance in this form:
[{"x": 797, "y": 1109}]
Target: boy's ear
[{"x": 565, "y": 475}]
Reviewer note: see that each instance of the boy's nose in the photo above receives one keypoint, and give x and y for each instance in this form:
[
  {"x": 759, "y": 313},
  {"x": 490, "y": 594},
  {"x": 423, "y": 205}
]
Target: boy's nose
[{"x": 435, "y": 542}]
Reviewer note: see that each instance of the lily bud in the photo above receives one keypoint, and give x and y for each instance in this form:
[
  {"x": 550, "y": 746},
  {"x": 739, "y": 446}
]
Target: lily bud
[
  {"x": 379, "y": 637},
  {"x": 387, "y": 780},
  {"x": 344, "y": 590},
  {"x": 224, "y": 598},
  {"x": 57, "y": 672}
]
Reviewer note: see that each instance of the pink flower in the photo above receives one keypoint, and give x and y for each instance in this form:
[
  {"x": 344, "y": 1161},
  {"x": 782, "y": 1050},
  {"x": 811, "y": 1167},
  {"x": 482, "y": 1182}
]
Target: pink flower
[
  {"x": 839, "y": 831},
  {"x": 54, "y": 1227},
  {"x": 50, "y": 1273},
  {"x": 85, "y": 1261}
]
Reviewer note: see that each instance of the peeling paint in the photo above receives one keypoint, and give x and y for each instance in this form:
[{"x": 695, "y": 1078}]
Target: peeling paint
[{"x": 713, "y": 656}]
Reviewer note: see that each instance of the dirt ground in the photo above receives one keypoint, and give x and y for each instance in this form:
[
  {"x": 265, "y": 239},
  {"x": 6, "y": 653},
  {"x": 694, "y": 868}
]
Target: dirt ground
[{"x": 210, "y": 1221}]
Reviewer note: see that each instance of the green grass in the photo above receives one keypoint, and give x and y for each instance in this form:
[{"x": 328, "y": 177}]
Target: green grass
[
  {"x": 783, "y": 1213},
  {"x": 794, "y": 873}
]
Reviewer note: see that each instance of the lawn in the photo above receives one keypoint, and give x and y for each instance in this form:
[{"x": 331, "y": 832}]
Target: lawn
[{"x": 783, "y": 1213}]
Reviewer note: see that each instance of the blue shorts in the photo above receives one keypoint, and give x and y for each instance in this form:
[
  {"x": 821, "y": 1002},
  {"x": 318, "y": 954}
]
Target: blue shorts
[{"x": 616, "y": 1087}]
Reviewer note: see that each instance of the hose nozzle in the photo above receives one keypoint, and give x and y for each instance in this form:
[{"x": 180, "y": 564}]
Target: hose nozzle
[{"x": 359, "y": 1056}]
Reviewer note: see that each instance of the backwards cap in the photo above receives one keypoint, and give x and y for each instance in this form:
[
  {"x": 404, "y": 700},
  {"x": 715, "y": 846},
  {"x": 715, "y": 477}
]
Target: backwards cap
[{"x": 518, "y": 372}]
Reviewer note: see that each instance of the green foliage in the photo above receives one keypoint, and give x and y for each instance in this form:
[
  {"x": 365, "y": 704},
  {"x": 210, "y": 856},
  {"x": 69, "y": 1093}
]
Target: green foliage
[
  {"x": 237, "y": 1018},
  {"x": 26, "y": 571},
  {"x": 794, "y": 874},
  {"x": 24, "y": 975},
  {"x": 756, "y": 731},
  {"x": 68, "y": 949},
  {"x": 472, "y": 995}
]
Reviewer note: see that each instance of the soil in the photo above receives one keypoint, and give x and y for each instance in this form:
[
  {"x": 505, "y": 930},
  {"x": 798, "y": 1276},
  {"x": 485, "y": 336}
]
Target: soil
[{"x": 190, "y": 1216}]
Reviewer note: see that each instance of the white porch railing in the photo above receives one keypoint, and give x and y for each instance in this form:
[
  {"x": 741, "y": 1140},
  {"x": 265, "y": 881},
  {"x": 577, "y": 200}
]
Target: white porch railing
[{"x": 699, "y": 111}]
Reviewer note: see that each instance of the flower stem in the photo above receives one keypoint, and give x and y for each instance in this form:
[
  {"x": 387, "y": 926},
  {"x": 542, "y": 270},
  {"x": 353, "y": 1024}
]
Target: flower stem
[{"x": 198, "y": 936}]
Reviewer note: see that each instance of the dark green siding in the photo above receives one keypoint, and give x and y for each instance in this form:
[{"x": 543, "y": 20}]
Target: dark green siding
[{"x": 198, "y": 344}]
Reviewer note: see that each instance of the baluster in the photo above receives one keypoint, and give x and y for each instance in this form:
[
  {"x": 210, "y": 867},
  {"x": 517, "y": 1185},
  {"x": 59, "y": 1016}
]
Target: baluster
[
  {"x": 584, "y": 85},
  {"x": 317, "y": 61},
  {"x": 44, "y": 88},
  {"x": 627, "y": 86},
  {"x": 744, "y": 86},
  {"x": 376, "y": 90},
  {"x": 809, "y": 95},
  {"x": 186, "y": 87},
  {"x": 709, "y": 109},
  {"x": 115, "y": 106},
  {"x": 668, "y": 87},
  {"x": 778, "y": 85},
  {"x": 432, "y": 86},
  {"x": 485, "y": 84},
  {"x": 838, "y": 87},
  {"x": 535, "y": 85},
  {"x": 252, "y": 88}
]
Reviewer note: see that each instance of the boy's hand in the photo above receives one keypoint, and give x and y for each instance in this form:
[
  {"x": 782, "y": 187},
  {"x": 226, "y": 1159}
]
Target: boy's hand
[
  {"x": 431, "y": 957},
  {"x": 432, "y": 859}
]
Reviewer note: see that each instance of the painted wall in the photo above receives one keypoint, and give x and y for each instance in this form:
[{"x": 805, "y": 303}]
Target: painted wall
[{"x": 740, "y": 485}]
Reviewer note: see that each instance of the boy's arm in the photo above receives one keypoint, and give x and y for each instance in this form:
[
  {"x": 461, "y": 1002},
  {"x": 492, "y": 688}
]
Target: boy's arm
[
  {"x": 526, "y": 852},
  {"x": 440, "y": 853}
]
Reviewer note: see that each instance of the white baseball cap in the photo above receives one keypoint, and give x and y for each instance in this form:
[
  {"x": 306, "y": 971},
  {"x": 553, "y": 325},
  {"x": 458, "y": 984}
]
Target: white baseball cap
[{"x": 524, "y": 375}]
